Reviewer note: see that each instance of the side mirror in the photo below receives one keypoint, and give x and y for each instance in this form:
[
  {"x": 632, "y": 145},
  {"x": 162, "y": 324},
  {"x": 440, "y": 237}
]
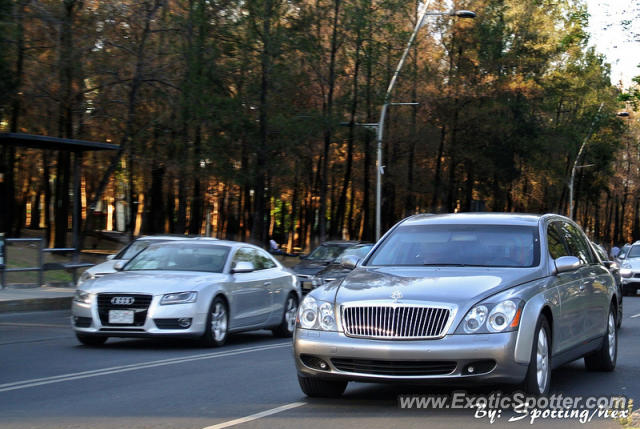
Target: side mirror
[
  {"x": 567, "y": 263},
  {"x": 349, "y": 261},
  {"x": 110, "y": 257},
  {"x": 118, "y": 266},
  {"x": 243, "y": 267}
]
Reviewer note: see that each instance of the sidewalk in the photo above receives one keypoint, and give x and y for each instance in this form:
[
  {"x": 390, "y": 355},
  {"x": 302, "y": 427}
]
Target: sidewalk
[{"x": 35, "y": 299}]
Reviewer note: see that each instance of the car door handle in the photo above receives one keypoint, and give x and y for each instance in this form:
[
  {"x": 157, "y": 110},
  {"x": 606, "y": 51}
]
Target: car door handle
[{"x": 267, "y": 283}]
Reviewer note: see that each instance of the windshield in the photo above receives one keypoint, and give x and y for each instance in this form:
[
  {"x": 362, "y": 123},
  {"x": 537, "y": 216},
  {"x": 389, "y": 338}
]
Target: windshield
[
  {"x": 634, "y": 252},
  {"x": 460, "y": 245},
  {"x": 326, "y": 252},
  {"x": 186, "y": 257},
  {"x": 133, "y": 249}
]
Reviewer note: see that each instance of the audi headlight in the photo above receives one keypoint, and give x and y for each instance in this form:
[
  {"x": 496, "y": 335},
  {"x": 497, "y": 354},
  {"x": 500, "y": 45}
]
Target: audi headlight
[
  {"x": 319, "y": 315},
  {"x": 179, "y": 298},
  {"x": 491, "y": 318},
  {"x": 82, "y": 297},
  {"x": 85, "y": 276}
]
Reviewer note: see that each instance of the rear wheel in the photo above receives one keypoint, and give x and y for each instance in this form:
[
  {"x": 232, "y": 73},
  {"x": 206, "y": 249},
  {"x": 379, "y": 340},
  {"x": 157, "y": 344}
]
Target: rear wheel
[
  {"x": 604, "y": 359},
  {"x": 538, "y": 377},
  {"x": 288, "y": 324},
  {"x": 215, "y": 333},
  {"x": 317, "y": 388},
  {"x": 91, "y": 340}
]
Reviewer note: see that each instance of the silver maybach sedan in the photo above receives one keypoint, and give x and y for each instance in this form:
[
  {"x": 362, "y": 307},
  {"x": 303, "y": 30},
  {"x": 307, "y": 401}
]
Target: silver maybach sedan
[
  {"x": 494, "y": 298},
  {"x": 200, "y": 289}
]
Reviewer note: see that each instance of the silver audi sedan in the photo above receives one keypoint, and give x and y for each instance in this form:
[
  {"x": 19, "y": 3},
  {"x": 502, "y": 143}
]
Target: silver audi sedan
[
  {"x": 200, "y": 289},
  {"x": 459, "y": 299}
]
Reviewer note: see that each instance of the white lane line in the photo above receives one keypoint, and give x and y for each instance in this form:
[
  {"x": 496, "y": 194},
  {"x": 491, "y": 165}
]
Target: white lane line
[
  {"x": 635, "y": 315},
  {"x": 257, "y": 416},
  {"x": 133, "y": 367}
]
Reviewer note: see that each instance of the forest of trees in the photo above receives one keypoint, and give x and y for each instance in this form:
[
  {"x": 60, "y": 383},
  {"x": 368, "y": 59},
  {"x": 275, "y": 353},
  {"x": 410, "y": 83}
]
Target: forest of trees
[{"x": 244, "y": 115}]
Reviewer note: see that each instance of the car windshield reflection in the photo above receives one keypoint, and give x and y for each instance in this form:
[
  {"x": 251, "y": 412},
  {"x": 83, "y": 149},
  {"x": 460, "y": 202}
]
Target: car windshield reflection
[{"x": 190, "y": 257}]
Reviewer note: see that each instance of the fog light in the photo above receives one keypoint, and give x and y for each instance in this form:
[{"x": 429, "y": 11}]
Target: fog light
[
  {"x": 184, "y": 322},
  {"x": 323, "y": 365},
  {"x": 471, "y": 369}
]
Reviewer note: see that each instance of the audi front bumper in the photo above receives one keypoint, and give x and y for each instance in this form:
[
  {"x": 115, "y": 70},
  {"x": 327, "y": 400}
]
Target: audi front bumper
[
  {"x": 457, "y": 359},
  {"x": 158, "y": 320}
]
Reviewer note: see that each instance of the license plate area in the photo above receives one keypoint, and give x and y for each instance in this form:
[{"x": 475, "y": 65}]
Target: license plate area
[{"x": 121, "y": 317}]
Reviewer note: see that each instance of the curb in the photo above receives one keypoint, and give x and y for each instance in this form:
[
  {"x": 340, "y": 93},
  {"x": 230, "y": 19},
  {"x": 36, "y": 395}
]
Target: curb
[{"x": 36, "y": 304}]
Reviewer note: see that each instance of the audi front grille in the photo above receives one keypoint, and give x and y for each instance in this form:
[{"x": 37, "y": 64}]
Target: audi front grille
[
  {"x": 395, "y": 321},
  {"x": 140, "y": 306}
]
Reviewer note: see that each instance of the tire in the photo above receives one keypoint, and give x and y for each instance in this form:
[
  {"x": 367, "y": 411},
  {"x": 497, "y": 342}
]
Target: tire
[
  {"x": 288, "y": 324},
  {"x": 605, "y": 358},
  {"x": 318, "y": 388},
  {"x": 538, "y": 378},
  {"x": 217, "y": 329},
  {"x": 91, "y": 340}
]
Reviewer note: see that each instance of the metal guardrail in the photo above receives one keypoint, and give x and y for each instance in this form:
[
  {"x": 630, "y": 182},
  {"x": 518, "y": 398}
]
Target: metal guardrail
[{"x": 42, "y": 266}]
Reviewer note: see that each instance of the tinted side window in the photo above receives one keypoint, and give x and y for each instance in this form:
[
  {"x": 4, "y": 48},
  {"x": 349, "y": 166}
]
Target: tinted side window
[
  {"x": 246, "y": 254},
  {"x": 577, "y": 243},
  {"x": 557, "y": 247}
]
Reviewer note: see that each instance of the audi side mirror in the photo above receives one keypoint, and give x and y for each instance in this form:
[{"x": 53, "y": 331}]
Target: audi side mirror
[
  {"x": 118, "y": 266},
  {"x": 243, "y": 267}
]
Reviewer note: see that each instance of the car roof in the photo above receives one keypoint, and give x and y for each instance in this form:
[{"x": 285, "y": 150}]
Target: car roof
[
  {"x": 474, "y": 218},
  {"x": 228, "y": 243},
  {"x": 340, "y": 243},
  {"x": 162, "y": 237}
]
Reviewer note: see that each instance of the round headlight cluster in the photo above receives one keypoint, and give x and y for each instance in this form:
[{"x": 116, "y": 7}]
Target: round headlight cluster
[
  {"x": 501, "y": 316},
  {"x": 317, "y": 315},
  {"x": 308, "y": 313},
  {"x": 475, "y": 319},
  {"x": 485, "y": 318}
]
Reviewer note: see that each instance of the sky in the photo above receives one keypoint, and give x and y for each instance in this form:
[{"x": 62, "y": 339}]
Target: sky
[{"x": 615, "y": 31}]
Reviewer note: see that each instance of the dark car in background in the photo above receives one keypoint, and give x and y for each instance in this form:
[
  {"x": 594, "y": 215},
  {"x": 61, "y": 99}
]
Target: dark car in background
[
  {"x": 614, "y": 269},
  {"x": 318, "y": 259},
  {"x": 336, "y": 270}
]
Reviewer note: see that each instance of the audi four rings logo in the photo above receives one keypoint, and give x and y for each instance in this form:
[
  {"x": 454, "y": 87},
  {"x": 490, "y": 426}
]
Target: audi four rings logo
[{"x": 122, "y": 300}]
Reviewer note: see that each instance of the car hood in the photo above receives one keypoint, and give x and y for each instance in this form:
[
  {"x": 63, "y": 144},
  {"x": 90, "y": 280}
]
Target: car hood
[
  {"x": 461, "y": 286},
  {"x": 152, "y": 282},
  {"x": 104, "y": 268},
  {"x": 333, "y": 271},
  {"x": 634, "y": 263},
  {"x": 310, "y": 268}
]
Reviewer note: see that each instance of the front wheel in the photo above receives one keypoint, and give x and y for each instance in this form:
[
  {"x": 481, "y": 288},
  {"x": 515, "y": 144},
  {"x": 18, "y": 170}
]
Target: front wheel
[
  {"x": 288, "y": 323},
  {"x": 604, "y": 359},
  {"x": 538, "y": 377},
  {"x": 216, "y": 330},
  {"x": 317, "y": 388}
]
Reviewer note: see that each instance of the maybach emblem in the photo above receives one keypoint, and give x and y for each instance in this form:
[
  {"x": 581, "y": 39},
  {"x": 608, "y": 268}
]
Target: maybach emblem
[
  {"x": 396, "y": 295},
  {"x": 122, "y": 300}
]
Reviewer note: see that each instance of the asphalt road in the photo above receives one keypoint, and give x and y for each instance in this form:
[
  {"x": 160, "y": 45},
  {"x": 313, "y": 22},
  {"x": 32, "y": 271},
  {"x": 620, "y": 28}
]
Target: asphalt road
[{"x": 49, "y": 380}]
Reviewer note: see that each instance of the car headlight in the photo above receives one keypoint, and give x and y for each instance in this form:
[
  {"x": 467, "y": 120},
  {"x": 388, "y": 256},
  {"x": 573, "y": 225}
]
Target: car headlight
[
  {"x": 82, "y": 297},
  {"x": 315, "y": 281},
  {"x": 85, "y": 276},
  {"x": 179, "y": 298},
  {"x": 319, "y": 315},
  {"x": 491, "y": 318}
]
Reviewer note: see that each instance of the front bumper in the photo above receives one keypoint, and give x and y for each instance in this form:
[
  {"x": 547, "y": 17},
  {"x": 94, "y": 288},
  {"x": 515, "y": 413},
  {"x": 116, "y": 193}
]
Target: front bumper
[
  {"x": 159, "y": 321},
  {"x": 460, "y": 351}
]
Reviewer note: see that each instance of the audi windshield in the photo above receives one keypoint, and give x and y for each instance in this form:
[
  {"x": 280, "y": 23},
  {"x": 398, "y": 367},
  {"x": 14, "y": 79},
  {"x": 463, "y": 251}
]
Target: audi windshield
[
  {"x": 459, "y": 245},
  {"x": 180, "y": 257}
]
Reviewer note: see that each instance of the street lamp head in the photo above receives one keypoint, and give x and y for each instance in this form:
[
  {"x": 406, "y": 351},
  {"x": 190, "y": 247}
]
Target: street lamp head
[
  {"x": 465, "y": 14},
  {"x": 623, "y": 114}
]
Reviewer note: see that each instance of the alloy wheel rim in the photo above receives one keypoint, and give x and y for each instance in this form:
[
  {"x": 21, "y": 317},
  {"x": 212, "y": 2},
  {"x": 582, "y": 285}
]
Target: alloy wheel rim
[
  {"x": 542, "y": 360},
  {"x": 612, "y": 337},
  {"x": 219, "y": 322},
  {"x": 290, "y": 314}
]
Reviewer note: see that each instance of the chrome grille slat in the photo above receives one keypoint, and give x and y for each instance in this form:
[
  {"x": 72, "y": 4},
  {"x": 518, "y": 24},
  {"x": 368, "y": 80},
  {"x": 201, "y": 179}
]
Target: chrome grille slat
[{"x": 395, "y": 321}]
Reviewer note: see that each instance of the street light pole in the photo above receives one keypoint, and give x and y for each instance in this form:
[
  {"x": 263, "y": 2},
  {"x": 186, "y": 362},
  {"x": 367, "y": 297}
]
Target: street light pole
[{"x": 422, "y": 12}]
